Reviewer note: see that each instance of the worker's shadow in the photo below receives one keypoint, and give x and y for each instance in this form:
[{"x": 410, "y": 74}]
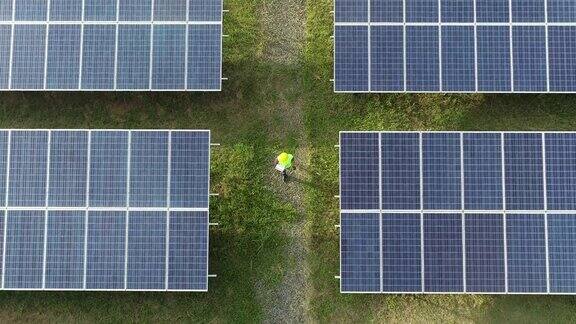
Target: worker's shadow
[{"x": 317, "y": 184}]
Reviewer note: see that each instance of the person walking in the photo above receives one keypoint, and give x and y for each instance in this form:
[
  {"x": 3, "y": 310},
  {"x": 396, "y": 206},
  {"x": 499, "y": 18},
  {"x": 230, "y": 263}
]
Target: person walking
[{"x": 284, "y": 162}]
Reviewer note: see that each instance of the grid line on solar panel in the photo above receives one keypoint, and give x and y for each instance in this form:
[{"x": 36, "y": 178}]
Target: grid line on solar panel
[
  {"x": 496, "y": 24},
  {"x": 503, "y": 249},
  {"x": 78, "y": 241}
]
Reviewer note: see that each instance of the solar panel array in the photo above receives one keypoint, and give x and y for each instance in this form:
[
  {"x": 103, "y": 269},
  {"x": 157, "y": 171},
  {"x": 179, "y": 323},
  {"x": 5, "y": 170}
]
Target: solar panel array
[
  {"x": 450, "y": 212},
  {"x": 455, "y": 46},
  {"x": 104, "y": 210},
  {"x": 122, "y": 45}
]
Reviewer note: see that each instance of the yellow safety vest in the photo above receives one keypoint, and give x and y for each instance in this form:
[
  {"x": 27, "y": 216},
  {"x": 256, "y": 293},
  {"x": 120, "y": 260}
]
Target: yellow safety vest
[{"x": 286, "y": 164}]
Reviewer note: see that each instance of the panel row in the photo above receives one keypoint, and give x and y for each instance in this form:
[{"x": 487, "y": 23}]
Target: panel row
[
  {"x": 455, "y": 171},
  {"x": 104, "y": 168},
  {"x": 108, "y": 250},
  {"x": 111, "y": 10},
  {"x": 475, "y": 253},
  {"x": 110, "y": 57},
  {"x": 455, "y": 58},
  {"x": 463, "y": 11}
]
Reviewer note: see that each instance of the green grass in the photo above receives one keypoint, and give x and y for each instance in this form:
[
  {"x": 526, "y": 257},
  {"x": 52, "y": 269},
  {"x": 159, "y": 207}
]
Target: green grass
[{"x": 247, "y": 249}]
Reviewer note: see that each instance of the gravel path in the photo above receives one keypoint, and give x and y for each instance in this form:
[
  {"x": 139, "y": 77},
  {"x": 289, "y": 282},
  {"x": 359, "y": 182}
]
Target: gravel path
[{"x": 284, "y": 23}]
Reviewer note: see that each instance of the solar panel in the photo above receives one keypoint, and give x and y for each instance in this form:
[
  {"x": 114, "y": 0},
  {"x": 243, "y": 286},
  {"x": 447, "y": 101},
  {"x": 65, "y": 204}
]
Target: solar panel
[
  {"x": 65, "y": 249},
  {"x": 104, "y": 209},
  {"x": 455, "y": 46},
  {"x": 401, "y": 252},
  {"x": 360, "y": 252},
  {"x": 458, "y": 212},
  {"x": 122, "y": 45}
]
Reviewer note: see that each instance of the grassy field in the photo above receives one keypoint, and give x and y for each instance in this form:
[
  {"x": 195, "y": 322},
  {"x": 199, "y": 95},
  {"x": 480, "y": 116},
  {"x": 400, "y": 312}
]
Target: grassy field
[{"x": 254, "y": 117}]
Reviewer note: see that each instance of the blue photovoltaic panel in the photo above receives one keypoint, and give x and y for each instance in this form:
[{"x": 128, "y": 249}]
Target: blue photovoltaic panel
[
  {"x": 496, "y": 247},
  {"x": 106, "y": 250},
  {"x": 108, "y": 168},
  {"x": 100, "y": 10},
  {"x": 108, "y": 45},
  {"x": 170, "y": 10},
  {"x": 189, "y": 169},
  {"x": 400, "y": 154},
  {"x": 351, "y": 58},
  {"x": 441, "y": 170},
  {"x": 98, "y": 58},
  {"x": 147, "y": 250},
  {"x": 359, "y": 164},
  {"x": 387, "y": 58},
  {"x": 562, "y": 253},
  {"x": 351, "y": 10},
  {"x": 526, "y": 253},
  {"x": 168, "y": 64},
  {"x": 562, "y": 58},
  {"x": 387, "y": 10},
  {"x": 3, "y": 165},
  {"x": 443, "y": 253},
  {"x": 205, "y": 10},
  {"x": 204, "y": 48},
  {"x": 50, "y": 237},
  {"x": 63, "y": 57},
  {"x": 458, "y": 72},
  {"x": 421, "y": 10},
  {"x": 401, "y": 253},
  {"x": 5, "y": 45},
  {"x": 135, "y": 10},
  {"x": 561, "y": 11},
  {"x": 486, "y": 46},
  {"x": 28, "y": 56},
  {"x": 68, "y": 164},
  {"x": 561, "y": 171},
  {"x": 65, "y": 250},
  {"x": 482, "y": 171},
  {"x": 457, "y": 11},
  {"x": 6, "y": 10},
  {"x": 133, "y": 59},
  {"x": 24, "y": 249},
  {"x": 30, "y": 10},
  {"x": 65, "y": 10},
  {"x": 28, "y": 164},
  {"x": 188, "y": 250},
  {"x": 485, "y": 253},
  {"x": 523, "y": 171},
  {"x": 492, "y": 10},
  {"x": 149, "y": 169},
  {"x": 529, "y": 43},
  {"x": 528, "y": 10},
  {"x": 422, "y": 58},
  {"x": 360, "y": 252},
  {"x": 493, "y": 47}
]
